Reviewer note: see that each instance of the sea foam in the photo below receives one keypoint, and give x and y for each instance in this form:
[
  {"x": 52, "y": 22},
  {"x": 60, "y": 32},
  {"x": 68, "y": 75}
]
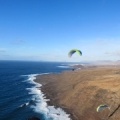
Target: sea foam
[
  {"x": 63, "y": 66},
  {"x": 40, "y": 106}
]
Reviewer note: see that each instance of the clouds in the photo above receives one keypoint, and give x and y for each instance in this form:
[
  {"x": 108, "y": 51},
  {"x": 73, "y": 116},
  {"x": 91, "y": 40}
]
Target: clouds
[
  {"x": 18, "y": 42},
  {"x": 2, "y": 50},
  {"x": 93, "y": 49},
  {"x": 114, "y": 53},
  {"x": 3, "y": 54}
]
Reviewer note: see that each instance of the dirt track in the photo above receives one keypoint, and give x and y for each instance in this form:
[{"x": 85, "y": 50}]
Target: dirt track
[{"x": 80, "y": 92}]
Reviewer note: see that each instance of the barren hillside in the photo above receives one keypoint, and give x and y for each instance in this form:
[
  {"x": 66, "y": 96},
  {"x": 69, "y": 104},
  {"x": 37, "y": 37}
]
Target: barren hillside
[{"x": 80, "y": 92}]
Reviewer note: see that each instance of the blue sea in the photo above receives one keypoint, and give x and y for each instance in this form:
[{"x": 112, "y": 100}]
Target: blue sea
[{"x": 20, "y": 97}]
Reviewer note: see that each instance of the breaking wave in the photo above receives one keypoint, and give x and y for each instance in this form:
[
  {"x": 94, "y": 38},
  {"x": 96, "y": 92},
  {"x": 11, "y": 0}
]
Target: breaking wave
[{"x": 39, "y": 102}]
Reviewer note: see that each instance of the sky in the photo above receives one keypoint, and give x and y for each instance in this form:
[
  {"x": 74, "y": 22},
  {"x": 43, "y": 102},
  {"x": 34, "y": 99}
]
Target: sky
[{"x": 46, "y": 30}]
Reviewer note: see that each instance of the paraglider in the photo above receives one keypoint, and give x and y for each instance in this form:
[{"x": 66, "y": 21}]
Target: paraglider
[
  {"x": 73, "y": 51},
  {"x": 100, "y": 107}
]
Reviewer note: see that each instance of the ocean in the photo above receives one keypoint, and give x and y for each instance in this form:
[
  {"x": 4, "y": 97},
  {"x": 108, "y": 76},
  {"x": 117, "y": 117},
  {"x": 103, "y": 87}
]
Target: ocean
[{"x": 20, "y": 97}]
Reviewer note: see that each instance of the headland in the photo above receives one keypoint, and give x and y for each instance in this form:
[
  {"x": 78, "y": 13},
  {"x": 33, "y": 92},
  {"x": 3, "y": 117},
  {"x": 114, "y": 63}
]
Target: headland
[{"x": 81, "y": 91}]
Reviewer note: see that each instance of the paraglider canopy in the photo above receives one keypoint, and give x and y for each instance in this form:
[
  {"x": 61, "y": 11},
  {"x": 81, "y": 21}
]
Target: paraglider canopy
[
  {"x": 101, "y": 107},
  {"x": 73, "y": 51}
]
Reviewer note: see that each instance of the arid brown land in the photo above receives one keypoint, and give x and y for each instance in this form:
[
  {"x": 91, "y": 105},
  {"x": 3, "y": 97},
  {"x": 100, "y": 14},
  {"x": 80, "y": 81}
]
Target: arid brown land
[{"x": 80, "y": 92}]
